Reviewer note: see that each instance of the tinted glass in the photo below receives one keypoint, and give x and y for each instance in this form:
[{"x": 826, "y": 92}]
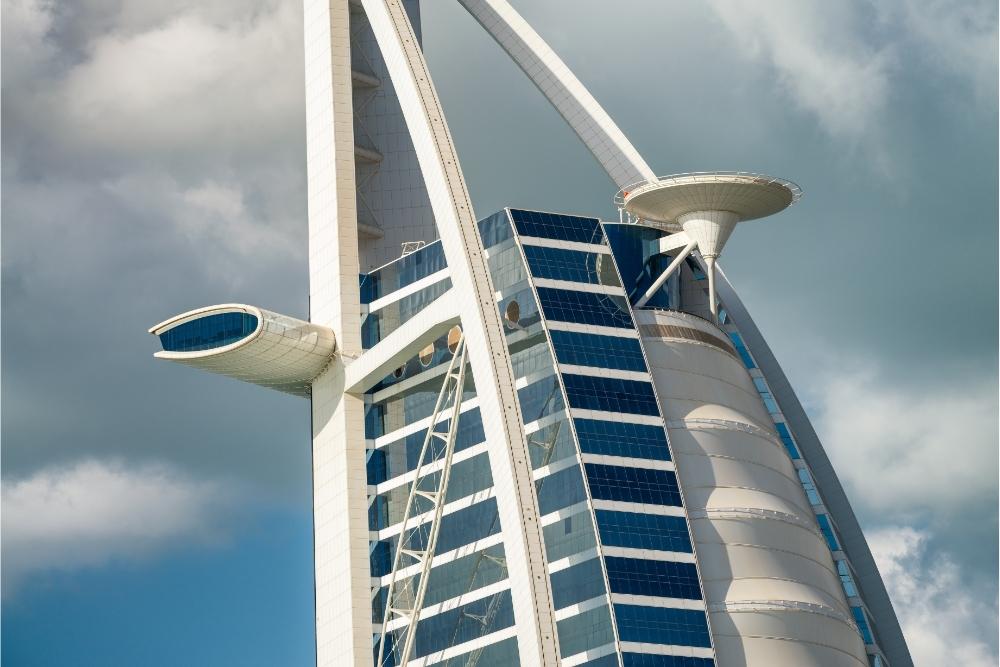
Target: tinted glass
[
  {"x": 603, "y": 351},
  {"x": 572, "y": 265},
  {"x": 580, "y": 582},
  {"x": 585, "y": 631},
  {"x": 584, "y": 308},
  {"x": 643, "y": 531},
  {"x": 559, "y": 227},
  {"x": 667, "y": 579},
  {"x": 402, "y": 272},
  {"x": 633, "y": 485},
  {"x": 661, "y": 625},
  {"x": 610, "y": 394},
  {"x": 205, "y": 333},
  {"x": 652, "y": 660},
  {"x": 621, "y": 439}
]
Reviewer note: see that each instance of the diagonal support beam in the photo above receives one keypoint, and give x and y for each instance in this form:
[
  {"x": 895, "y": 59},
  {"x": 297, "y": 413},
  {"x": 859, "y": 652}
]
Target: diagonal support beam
[{"x": 402, "y": 344}]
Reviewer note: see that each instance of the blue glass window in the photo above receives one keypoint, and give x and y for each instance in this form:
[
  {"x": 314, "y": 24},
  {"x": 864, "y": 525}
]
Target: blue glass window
[
  {"x": 765, "y": 395},
  {"x": 572, "y": 265},
  {"x": 559, "y": 227},
  {"x": 585, "y": 308},
  {"x": 205, "y": 333},
  {"x": 827, "y": 529},
  {"x": 741, "y": 347},
  {"x": 643, "y": 531},
  {"x": 401, "y": 456},
  {"x": 654, "y": 660},
  {"x": 845, "y": 578},
  {"x": 603, "y": 351},
  {"x": 580, "y": 582},
  {"x": 459, "y": 528},
  {"x": 660, "y": 578},
  {"x": 457, "y": 626},
  {"x": 560, "y": 489},
  {"x": 620, "y": 439},
  {"x": 611, "y": 394},
  {"x": 809, "y": 487},
  {"x": 540, "y": 398},
  {"x": 786, "y": 437},
  {"x": 862, "y": 621},
  {"x": 495, "y": 229},
  {"x": 385, "y": 320},
  {"x": 662, "y": 625},
  {"x": 402, "y": 272},
  {"x": 633, "y": 485}
]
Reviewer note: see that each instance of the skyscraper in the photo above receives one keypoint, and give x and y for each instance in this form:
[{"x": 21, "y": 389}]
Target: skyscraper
[{"x": 539, "y": 439}]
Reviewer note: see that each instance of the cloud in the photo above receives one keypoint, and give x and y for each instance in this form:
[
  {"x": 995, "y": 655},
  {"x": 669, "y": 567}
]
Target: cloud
[
  {"x": 96, "y": 512},
  {"x": 944, "y": 621},
  {"x": 921, "y": 449},
  {"x": 955, "y": 37},
  {"x": 822, "y": 60}
]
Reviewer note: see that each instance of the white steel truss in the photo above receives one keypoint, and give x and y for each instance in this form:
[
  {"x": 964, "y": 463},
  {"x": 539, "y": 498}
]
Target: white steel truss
[{"x": 406, "y": 601}]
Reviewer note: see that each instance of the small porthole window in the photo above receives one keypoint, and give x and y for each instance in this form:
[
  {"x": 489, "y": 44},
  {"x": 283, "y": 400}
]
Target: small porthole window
[
  {"x": 398, "y": 373},
  {"x": 427, "y": 355},
  {"x": 454, "y": 335},
  {"x": 512, "y": 314}
]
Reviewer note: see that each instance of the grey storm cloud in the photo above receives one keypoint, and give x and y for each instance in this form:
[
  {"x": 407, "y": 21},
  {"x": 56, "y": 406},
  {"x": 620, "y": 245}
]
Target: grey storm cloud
[{"x": 154, "y": 161}]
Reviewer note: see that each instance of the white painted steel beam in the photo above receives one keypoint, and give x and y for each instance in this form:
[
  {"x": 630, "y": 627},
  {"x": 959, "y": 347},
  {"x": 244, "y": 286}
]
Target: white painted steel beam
[
  {"x": 517, "y": 503},
  {"x": 402, "y": 344}
]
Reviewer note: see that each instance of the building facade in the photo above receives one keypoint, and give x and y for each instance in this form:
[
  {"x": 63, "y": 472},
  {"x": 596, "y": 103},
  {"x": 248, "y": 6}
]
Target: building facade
[{"x": 538, "y": 439}]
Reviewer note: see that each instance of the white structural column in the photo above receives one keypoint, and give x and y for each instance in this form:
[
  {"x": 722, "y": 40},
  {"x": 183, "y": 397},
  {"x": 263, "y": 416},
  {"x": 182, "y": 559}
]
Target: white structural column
[
  {"x": 488, "y": 356},
  {"x": 563, "y": 90},
  {"x": 343, "y": 602},
  {"x": 773, "y": 594}
]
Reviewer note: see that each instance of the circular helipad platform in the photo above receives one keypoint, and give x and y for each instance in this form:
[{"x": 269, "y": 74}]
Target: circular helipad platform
[{"x": 748, "y": 196}]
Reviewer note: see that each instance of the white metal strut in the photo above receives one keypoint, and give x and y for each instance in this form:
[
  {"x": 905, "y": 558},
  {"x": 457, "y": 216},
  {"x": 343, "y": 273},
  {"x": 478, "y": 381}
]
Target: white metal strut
[{"x": 405, "y": 602}]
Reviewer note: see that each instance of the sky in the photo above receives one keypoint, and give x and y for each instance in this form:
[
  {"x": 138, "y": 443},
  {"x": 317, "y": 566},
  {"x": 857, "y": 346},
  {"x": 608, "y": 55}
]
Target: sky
[{"x": 153, "y": 161}]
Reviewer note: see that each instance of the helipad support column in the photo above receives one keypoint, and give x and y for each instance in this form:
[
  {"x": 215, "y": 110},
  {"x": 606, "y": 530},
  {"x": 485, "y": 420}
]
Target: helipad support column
[{"x": 705, "y": 208}]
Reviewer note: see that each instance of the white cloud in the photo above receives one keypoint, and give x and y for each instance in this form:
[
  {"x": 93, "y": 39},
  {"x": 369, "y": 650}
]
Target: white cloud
[
  {"x": 181, "y": 80},
  {"x": 956, "y": 37},
  {"x": 928, "y": 448},
  {"x": 944, "y": 622},
  {"x": 821, "y": 59},
  {"x": 96, "y": 512}
]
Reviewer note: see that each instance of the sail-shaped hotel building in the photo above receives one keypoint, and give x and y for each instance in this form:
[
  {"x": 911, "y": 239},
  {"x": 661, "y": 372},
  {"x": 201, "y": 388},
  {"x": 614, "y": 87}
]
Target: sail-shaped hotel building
[{"x": 539, "y": 439}]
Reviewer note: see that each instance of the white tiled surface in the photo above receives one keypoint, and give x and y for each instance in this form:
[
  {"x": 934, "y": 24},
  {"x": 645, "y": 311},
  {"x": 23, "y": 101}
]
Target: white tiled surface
[
  {"x": 489, "y": 360},
  {"x": 343, "y": 605}
]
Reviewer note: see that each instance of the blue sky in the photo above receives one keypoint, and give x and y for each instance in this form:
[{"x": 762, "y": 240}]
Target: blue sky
[{"x": 153, "y": 161}]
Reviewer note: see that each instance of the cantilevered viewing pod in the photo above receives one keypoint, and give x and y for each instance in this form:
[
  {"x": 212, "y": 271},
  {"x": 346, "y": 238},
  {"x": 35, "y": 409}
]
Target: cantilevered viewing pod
[
  {"x": 249, "y": 344},
  {"x": 703, "y": 209}
]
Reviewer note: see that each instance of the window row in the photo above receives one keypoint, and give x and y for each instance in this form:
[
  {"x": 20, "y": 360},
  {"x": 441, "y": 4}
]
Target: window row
[
  {"x": 583, "y": 349},
  {"x": 589, "y": 392},
  {"x": 661, "y": 625},
  {"x": 404, "y": 271},
  {"x": 639, "y": 441},
  {"x": 457, "y": 626},
  {"x": 458, "y": 528},
  {"x": 572, "y": 265},
  {"x": 633, "y": 485},
  {"x": 401, "y": 456},
  {"x": 585, "y": 308},
  {"x": 654, "y": 660},
  {"x": 643, "y": 531},
  {"x": 211, "y": 331},
  {"x": 559, "y": 227},
  {"x": 658, "y": 578}
]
